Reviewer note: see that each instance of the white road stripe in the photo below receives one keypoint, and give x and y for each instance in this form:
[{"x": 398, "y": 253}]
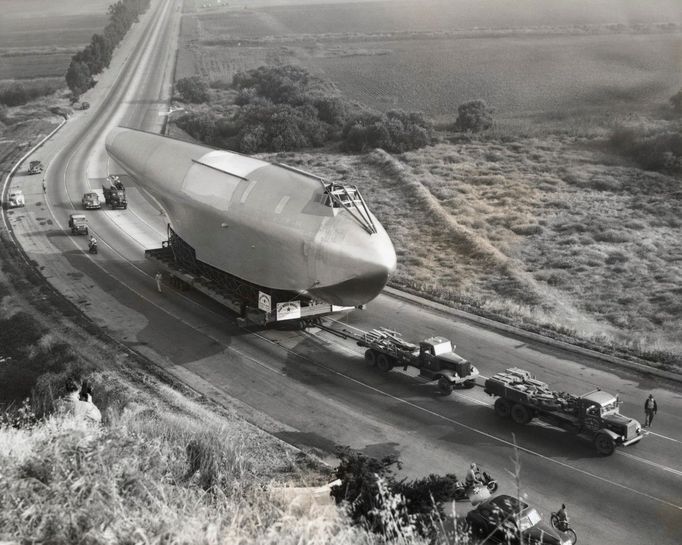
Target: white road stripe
[
  {"x": 649, "y": 462},
  {"x": 663, "y": 436}
]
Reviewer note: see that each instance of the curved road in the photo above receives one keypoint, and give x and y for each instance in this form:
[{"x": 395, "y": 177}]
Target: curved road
[{"x": 313, "y": 389}]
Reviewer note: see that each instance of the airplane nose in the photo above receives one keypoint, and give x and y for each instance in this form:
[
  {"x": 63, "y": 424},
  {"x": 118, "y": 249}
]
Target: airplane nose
[{"x": 363, "y": 269}]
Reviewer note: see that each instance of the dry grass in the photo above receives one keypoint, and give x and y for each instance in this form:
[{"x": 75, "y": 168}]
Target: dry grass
[
  {"x": 546, "y": 230},
  {"x": 163, "y": 469}
]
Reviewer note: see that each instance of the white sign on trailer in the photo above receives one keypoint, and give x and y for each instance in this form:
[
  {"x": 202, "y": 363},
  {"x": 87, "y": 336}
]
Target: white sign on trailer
[
  {"x": 264, "y": 302},
  {"x": 290, "y": 310}
]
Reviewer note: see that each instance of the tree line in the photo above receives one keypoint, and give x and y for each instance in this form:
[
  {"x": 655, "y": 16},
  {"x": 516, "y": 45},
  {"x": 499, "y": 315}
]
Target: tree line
[
  {"x": 285, "y": 108},
  {"x": 96, "y": 56}
]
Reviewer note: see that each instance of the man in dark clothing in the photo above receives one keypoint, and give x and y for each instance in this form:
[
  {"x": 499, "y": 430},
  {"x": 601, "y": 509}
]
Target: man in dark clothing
[{"x": 650, "y": 409}]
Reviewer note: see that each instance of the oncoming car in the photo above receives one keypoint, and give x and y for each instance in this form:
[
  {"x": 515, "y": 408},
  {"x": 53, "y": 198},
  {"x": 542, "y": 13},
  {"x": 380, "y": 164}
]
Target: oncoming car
[
  {"x": 503, "y": 519},
  {"x": 91, "y": 201},
  {"x": 15, "y": 198}
]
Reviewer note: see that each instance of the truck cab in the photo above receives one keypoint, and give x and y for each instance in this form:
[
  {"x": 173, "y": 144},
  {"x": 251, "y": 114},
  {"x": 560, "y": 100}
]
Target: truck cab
[
  {"x": 601, "y": 414},
  {"x": 437, "y": 359},
  {"x": 78, "y": 224},
  {"x": 114, "y": 192}
]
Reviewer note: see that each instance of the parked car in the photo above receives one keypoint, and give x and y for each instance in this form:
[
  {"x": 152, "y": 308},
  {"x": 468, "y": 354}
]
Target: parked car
[
  {"x": 91, "y": 201},
  {"x": 35, "y": 167},
  {"x": 504, "y": 518},
  {"x": 78, "y": 224},
  {"x": 15, "y": 198}
]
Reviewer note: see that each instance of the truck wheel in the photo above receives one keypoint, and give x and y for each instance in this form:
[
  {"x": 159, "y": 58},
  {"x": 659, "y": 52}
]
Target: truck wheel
[
  {"x": 371, "y": 357},
  {"x": 445, "y": 386},
  {"x": 469, "y": 383},
  {"x": 604, "y": 444},
  {"x": 502, "y": 407},
  {"x": 384, "y": 363},
  {"x": 521, "y": 414}
]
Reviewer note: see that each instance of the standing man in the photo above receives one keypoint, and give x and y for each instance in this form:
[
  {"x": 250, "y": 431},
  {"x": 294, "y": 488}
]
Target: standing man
[
  {"x": 650, "y": 408},
  {"x": 158, "y": 277}
]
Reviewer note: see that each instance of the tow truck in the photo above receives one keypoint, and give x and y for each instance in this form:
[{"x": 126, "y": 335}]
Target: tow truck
[{"x": 594, "y": 415}]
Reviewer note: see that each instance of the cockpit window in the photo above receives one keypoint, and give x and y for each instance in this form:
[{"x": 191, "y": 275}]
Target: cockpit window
[{"x": 338, "y": 196}]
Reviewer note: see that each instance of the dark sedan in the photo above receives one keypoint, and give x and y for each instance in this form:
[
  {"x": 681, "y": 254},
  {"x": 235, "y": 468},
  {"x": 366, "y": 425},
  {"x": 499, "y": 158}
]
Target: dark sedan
[{"x": 503, "y": 519}]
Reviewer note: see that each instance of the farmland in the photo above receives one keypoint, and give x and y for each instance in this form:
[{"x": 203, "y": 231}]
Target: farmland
[
  {"x": 407, "y": 55},
  {"x": 537, "y": 220},
  {"x": 38, "y": 37}
]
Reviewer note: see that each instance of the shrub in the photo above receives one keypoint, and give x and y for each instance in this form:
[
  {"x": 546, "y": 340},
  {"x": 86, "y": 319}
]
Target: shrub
[
  {"x": 368, "y": 484},
  {"x": 676, "y": 101},
  {"x": 395, "y": 131},
  {"x": 193, "y": 89},
  {"x": 653, "y": 149},
  {"x": 474, "y": 116}
]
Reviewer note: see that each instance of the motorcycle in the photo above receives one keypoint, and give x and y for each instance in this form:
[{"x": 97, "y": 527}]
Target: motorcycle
[
  {"x": 563, "y": 527},
  {"x": 92, "y": 246},
  {"x": 462, "y": 491}
]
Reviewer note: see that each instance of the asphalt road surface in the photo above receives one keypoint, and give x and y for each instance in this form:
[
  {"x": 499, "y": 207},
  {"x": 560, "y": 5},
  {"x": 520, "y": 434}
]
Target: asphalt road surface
[{"x": 312, "y": 388}]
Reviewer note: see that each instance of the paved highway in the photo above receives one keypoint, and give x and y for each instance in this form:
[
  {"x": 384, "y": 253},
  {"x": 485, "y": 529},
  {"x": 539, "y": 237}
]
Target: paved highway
[{"x": 311, "y": 388}]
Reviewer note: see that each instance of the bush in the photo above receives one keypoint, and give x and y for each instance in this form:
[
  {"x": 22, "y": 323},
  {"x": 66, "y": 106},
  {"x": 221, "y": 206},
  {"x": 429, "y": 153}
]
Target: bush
[
  {"x": 375, "y": 498},
  {"x": 474, "y": 116},
  {"x": 396, "y": 131},
  {"x": 676, "y": 101},
  {"x": 655, "y": 149},
  {"x": 193, "y": 89}
]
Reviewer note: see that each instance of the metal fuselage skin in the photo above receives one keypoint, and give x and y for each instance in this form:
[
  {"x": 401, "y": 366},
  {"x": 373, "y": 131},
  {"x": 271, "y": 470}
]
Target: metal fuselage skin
[{"x": 262, "y": 222}]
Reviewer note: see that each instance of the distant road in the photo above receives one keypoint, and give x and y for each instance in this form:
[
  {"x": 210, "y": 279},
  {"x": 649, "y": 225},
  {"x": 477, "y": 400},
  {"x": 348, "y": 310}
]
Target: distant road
[{"x": 313, "y": 389}]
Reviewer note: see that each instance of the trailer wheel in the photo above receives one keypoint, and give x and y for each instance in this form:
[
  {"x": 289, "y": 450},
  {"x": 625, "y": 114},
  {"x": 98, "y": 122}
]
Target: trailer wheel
[
  {"x": 502, "y": 407},
  {"x": 384, "y": 363},
  {"x": 604, "y": 444},
  {"x": 521, "y": 414},
  {"x": 445, "y": 386},
  {"x": 371, "y": 357}
]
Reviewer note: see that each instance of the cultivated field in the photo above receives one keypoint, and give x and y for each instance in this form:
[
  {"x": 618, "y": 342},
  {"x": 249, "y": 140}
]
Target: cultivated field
[
  {"x": 38, "y": 37},
  {"x": 433, "y": 56}
]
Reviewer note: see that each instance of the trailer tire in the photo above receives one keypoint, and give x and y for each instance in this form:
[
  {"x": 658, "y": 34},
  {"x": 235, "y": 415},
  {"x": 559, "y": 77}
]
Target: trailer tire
[
  {"x": 502, "y": 407},
  {"x": 371, "y": 357},
  {"x": 604, "y": 444},
  {"x": 384, "y": 363},
  {"x": 444, "y": 386},
  {"x": 521, "y": 414}
]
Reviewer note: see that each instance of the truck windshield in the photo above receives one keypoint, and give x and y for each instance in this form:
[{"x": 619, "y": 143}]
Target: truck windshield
[
  {"x": 609, "y": 408},
  {"x": 442, "y": 348}
]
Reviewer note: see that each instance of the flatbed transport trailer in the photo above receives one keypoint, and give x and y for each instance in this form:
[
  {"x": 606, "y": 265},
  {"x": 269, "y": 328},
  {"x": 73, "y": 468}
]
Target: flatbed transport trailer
[
  {"x": 434, "y": 357},
  {"x": 253, "y": 304},
  {"x": 595, "y": 415}
]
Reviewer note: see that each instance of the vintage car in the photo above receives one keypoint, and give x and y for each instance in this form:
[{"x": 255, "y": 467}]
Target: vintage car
[
  {"x": 78, "y": 224},
  {"x": 91, "y": 201},
  {"x": 15, "y": 198},
  {"x": 505, "y": 519},
  {"x": 35, "y": 167}
]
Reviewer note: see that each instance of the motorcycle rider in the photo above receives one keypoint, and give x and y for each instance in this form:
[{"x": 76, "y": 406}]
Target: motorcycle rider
[
  {"x": 473, "y": 477},
  {"x": 562, "y": 517},
  {"x": 92, "y": 243}
]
